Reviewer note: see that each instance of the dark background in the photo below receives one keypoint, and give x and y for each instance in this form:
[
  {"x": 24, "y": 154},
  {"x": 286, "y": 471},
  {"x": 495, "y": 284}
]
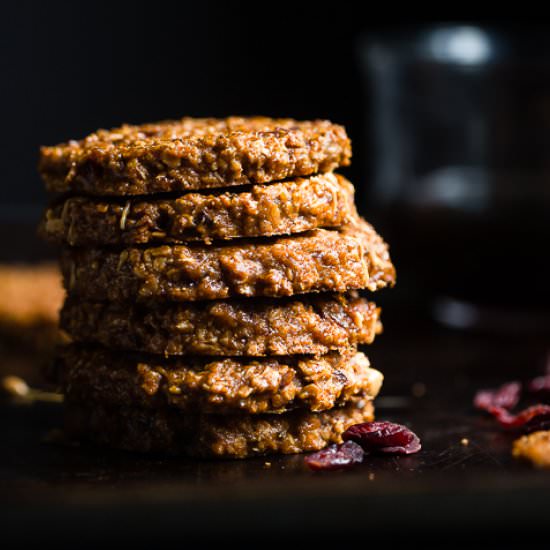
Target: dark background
[{"x": 69, "y": 68}]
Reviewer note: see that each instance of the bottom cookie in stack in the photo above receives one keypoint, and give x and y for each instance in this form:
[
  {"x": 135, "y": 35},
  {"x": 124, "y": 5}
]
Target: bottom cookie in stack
[
  {"x": 232, "y": 408},
  {"x": 203, "y": 435}
]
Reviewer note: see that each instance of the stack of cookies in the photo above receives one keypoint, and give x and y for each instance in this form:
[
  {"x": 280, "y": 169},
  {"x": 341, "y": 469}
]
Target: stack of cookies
[{"x": 212, "y": 269}]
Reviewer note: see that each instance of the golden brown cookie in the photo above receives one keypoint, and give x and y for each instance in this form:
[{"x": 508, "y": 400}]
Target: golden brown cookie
[
  {"x": 216, "y": 385},
  {"x": 321, "y": 260},
  {"x": 313, "y": 324},
  {"x": 282, "y": 208},
  {"x": 32, "y": 295},
  {"x": 221, "y": 436},
  {"x": 189, "y": 154}
]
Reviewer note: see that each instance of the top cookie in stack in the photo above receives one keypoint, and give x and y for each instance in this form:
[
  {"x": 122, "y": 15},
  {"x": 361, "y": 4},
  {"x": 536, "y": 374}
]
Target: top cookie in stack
[
  {"x": 145, "y": 218},
  {"x": 192, "y": 154}
]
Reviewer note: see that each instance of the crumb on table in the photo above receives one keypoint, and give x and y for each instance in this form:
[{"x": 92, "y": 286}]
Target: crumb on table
[{"x": 534, "y": 447}]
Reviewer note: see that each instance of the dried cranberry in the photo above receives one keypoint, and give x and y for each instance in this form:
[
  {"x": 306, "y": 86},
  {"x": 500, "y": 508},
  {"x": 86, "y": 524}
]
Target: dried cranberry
[
  {"x": 336, "y": 457},
  {"x": 383, "y": 437},
  {"x": 541, "y": 384},
  {"x": 530, "y": 418},
  {"x": 505, "y": 397}
]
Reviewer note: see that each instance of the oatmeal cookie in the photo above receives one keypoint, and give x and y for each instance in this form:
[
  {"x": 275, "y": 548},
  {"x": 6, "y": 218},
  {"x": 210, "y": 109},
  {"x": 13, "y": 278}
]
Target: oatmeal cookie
[
  {"x": 313, "y": 324},
  {"x": 221, "y": 436},
  {"x": 190, "y": 154},
  {"x": 282, "y": 208},
  {"x": 32, "y": 295},
  {"x": 216, "y": 385},
  {"x": 321, "y": 260}
]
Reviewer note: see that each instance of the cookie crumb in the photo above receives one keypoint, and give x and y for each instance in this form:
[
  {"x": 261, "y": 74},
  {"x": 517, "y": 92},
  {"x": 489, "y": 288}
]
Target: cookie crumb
[
  {"x": 534, "y": 447},
  {"x": 15, "y": 386}
]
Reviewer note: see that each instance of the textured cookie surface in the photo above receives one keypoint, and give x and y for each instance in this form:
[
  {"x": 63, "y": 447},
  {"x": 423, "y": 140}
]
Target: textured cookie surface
[
  {"x": 312, "y": 324},
  {"x": 282, "y": 208},
  {"x": 189, "y": 154},
  {"x": 534, "y": 447},
  {"x": 221, "y": 436},
  {"x": 267, "y": 385},
  {"x": 321, "y": 260}
]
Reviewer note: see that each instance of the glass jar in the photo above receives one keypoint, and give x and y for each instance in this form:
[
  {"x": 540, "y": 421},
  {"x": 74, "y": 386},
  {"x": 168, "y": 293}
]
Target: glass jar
[{"x": 459, "y": 133}]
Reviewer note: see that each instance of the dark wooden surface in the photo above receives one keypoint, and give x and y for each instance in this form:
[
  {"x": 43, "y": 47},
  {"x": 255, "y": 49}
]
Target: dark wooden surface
[{"x": 62, "y": 491}]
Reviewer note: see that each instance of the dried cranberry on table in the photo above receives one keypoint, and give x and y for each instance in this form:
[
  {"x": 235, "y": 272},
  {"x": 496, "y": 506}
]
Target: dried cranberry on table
[
  {"x": 498, "y": 403},
  {"x": 336, "y": 457},
  {"x": 383, "y": 437},
  {"x": 541, "y": 384},
  {"x": 506, "y": 397},
  {"x": 533, "y": 418}
]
